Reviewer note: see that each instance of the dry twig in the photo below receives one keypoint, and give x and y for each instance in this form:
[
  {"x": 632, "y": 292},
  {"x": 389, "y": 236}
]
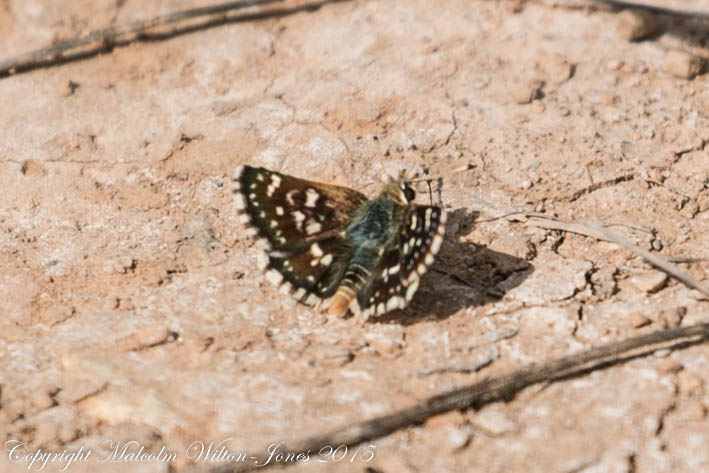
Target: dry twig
[
  {"x": 654, "y": 259},
  {"x": 625, "y": 5},
  {"x": 106, "y": 39}
]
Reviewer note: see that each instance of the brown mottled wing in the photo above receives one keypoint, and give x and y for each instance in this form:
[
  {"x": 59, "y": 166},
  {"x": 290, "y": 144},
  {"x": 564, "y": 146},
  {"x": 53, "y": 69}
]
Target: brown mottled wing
[
  {"x": 301, "y": 222},
  {"x": 288, "y": 211},
  {"x": 396, "y": 278}
]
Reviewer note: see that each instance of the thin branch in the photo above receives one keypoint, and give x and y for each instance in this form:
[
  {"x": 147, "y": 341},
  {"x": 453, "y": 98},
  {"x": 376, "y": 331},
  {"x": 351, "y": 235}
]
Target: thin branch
[
  {"x": 593, "y": 229},
  {"x": 103, "y": 40},
  {"x": 552, "y": 223},
  {"x": 653, "y": 9},
  {"x": 476, "y": 395},
  {"x": 626, "y": 5},
  {"x": 654, "y": 259}
]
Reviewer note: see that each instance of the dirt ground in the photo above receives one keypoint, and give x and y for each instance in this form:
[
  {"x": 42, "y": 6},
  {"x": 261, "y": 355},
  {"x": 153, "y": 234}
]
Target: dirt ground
[{"x": 133, "y": 311}]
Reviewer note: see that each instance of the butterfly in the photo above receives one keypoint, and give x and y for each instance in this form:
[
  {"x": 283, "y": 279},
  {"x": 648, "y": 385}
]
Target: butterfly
[{"x": 331, "y": 244}]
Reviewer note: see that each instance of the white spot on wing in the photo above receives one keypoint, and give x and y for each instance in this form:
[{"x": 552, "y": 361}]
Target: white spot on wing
[
  {"x": 411, "y": 290},
  {"x": 327, "y": 259},
  {"x": 436, "y": 245},
  {"x": 279, "y": 210},
  {"x": 393, "y": 303},
  {"x": 313, "y": 227},
  {"x": 299, "y": 217},
  {"x": 312, "y": 299},
  {"x": 291, "y": 195},
  {"x": 311, "y": 197},
  {"x": 316, "y": 250},
  {"x": 275, "y": 183}
]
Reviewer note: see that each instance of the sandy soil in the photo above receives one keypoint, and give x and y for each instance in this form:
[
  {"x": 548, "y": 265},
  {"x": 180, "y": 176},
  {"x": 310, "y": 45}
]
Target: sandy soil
[{"x": 132, "y": 307}]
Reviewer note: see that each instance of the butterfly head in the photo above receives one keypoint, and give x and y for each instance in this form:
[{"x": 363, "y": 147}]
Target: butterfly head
[{"x": 400, "y": 190}]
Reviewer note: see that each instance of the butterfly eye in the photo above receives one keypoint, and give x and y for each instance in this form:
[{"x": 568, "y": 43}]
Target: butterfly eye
[{"x": 409, "y": 193}]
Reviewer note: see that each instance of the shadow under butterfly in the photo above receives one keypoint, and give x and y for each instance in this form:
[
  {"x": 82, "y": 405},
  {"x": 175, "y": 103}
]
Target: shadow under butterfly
[{"x": 464, "y": 275}]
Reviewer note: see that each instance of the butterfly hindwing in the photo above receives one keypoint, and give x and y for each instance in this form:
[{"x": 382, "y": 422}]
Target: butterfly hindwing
[
  {"x": 396, "y": 278},
  {"x": 312, "y": 271},
  {"x": 287, "y": 211}
]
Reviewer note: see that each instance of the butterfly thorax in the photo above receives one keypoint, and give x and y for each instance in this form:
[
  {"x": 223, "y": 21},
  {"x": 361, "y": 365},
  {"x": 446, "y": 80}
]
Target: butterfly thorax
[{"x": 374, "y": 224}]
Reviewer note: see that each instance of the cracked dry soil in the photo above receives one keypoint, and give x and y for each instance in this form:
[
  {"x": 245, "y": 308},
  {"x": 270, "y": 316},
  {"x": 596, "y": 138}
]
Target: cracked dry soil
[{"x": 132, "y": 309}]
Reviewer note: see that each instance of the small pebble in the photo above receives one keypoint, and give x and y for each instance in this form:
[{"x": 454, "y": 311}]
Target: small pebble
[
  {"x": 149, "y": 336},
  {"x": 80, "y": 389},
  {"x": 68, "y": 88},
  {"x": 667, "y": 366},
  {"x": 683, "y": 65},
  {"x": 335, "y": 356},
  {"x": 636, "y": 25},
  {"x": 650, "y": 281},
  {"x": 526, "y": 93},
  {"x": 558, "y": 70},
  {"x": 638, "y": 320},
  {"x": 494, "y": 421},
  {"x": 442, "y": 420},
  {"x": 580, "y": 280},
  {"x": 32, "y": 168},
  {"x": 670, "y": 319},
  {"x": 514, "y": 6},
  {"x": 386, "y": 347},
  {"x": 41, "y": 399},
  {"x": 695, "y": 410},
  {"x": 690, "y": 385},
  {"x": 614, "y": 64},
  {"x": 662, "y": 353}
]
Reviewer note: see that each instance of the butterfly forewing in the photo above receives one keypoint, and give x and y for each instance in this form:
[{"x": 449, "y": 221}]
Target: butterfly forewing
[
  {"x": 396, "y": 278},
  {"x": 288, "y": 211}
]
